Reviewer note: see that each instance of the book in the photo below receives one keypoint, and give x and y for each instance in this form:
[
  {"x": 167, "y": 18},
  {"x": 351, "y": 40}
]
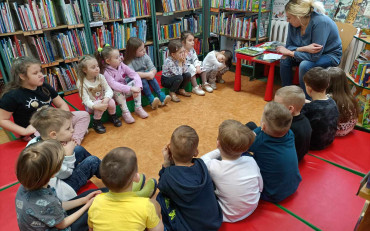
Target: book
[
  {"x": 249, "y": 51},
  {"x": 271, "y": 46},
  {"x": 366, "y": 114}
]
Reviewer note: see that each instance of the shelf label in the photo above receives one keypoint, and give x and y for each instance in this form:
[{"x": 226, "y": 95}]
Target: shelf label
[
  {"x": 164, "y": 41},
  {"x": 128, "y": 20},
  {"x": 95, "y": 24},
  {"x": 167, "y": 13}
]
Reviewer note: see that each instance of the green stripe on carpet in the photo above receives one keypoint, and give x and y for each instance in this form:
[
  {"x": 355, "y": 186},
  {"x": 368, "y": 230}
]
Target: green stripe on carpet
[{"x": 8, "y": 186}]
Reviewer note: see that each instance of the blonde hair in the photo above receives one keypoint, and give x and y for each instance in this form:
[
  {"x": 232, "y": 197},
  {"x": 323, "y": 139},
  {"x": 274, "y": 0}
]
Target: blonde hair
[
  {"x": 304, "y": 8},
  {"x": 234, "y": 137},
  {"x": 47, "y": 119},
  {"x": 278, "y": 119},
  {"x": 38, "y": 163},
  {"x": 80, "y": 71},
  {"x": 292, "y": 95},
  {"x": 184, "y": 143}
]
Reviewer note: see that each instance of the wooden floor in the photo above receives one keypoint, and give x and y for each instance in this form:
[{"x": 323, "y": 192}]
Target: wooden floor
[{"x": 148, "y": 136}]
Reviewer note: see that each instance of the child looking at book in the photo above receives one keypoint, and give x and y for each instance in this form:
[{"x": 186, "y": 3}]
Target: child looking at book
[
  {"x": 174, "y": 75},
  {"x": 215, "y": 64},
  {"x": 120, "y": 208},
  {"x": 78, "y": 164},
  {"x": 37, "y": 206},
  {"x": 322, "y": 111},
  {"x": 27, "y": 92},
  {"x": 139, "y": 61},
  {"x": 95, "y": 93},
  {"x": 192, "y": 63},
  {"x": 237, "y": 178},
  {"x": 124, "y": 81},
  {"x": 347, "y": 105}
]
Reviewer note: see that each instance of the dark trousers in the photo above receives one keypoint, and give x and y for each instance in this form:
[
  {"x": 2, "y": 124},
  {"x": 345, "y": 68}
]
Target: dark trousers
[{"x": 176, "y": 82}]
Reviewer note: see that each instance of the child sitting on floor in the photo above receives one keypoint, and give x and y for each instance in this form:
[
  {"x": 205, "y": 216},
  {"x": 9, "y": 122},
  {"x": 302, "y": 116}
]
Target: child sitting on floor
[
  {"x": 174, "y": 76},
  {"x": 237, "y": 178},
  {"x": 121, "y": 207},
  {"x": 215, "y": 64},
  {"x": 139, "y": 61},
  {"x": 124, "y": 81},
  {"x": 186, "y": 196},
  {"x": 78, "y": 164},
  {"x": 275, "y": 154},
  {"x": 95, "y": 93},
  {"x": 37, "y": 206},
  {"x": 322, "y": 112},
  {"x": 293, "y": 98},
  {"x": 346, "y": 103}
]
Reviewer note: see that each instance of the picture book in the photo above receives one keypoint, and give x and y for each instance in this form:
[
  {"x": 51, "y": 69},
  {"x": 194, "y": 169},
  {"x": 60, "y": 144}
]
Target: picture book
[{"x": 249, "y": 51}]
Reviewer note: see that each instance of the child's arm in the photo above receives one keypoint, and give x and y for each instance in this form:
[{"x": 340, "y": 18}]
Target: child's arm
[
  {"x": 133, "y": 75},
  {"x": 115, "y": 85},
  {"x": 69, "y": 160},
  {"x": 210, "y": 156},
  {"x": 9, "y": 125},
  {"x": 85, "y": 96},
  {"x": 214, "y": 62},
  {"x": 150, "y": 66},
  {"x": 108, "y": 91},
  {"x": 67, "y": 205},
  {"x": 60, "y": 103}
]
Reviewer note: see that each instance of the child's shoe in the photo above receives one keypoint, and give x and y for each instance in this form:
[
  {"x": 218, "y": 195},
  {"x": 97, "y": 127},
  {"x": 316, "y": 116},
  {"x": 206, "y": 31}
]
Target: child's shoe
[
  {"x": 166, "y": 100},
  {"x": 115, "y": 120},
  {"x": 196, "y": 90},
  {"x": 207, "y": 87},
  {"x": 137, "y": 186},
  {"x": 174, "y": 97},
  {"x": 149, "y": 189},
  {"x": 155, "y": 103},
  {"x": 221, "y": 81},
  {"x": 98, "y": 126},
  {"x": 141, "y": 113},
  {"x": 213, "y": 85},
  {"x": 127, "y": 117},
  {"x": 184, "y": 93}
]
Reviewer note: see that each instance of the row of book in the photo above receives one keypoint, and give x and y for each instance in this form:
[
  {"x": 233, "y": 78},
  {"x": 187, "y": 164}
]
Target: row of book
[
  {"x": 177, "y": 5},
  {"x": 43, "y": 48},
  {"x": 191, "y": 23},
  {"x": 242, "y": 5},
  {"x": 117, "y": 34},
  {"x": 6, "y": 20},
  {"x": 235, "y": 25},
  {"x": 363, "y": 99},
  {"x": 150, "y": 52},
  {"x": 198, "y": 45},
  {"x": 163, "y": 54},
  {"x": 71, "y": 44},
  {"x": 360, "y": 71},
  {"x": 70, "y": 13},
  {"x": 12, "y": 49},
  {"x": 134, "y": 8},
  {"x": 169, "y": 31},
  {"x": 106, "y": 9},
  {"x": 62, "y": 78}
]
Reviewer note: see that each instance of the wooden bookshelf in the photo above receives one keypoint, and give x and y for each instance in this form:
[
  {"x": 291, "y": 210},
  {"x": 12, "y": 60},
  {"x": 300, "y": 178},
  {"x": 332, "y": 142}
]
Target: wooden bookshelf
[
  {"x": 355, "y": 83},
  {"x": 143, "y": 16},
  {"x": 11, "y": 33},
  {"x": 243, "y": 11},
  {"x": 175, "y": 12},
  {"x": 167, "y": 40}
]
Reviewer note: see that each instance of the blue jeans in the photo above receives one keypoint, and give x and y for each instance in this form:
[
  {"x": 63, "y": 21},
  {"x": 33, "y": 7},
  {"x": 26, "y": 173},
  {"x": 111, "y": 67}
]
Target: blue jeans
[
  {"x": 288, "y": 63},
  {"x": 155, "y": 86},
  {"x": 86, "y": 166}
]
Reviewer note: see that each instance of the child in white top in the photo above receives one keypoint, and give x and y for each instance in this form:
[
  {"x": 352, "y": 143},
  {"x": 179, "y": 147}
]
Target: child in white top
[
  {"x": 237, "y": 178},
  {"x": 95, "y": 93},
  {"x": 192, "y": 63}
]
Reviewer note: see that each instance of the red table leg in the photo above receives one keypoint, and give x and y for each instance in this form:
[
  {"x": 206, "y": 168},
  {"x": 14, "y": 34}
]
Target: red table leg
[
  {"x": 238, "y": 70},
  {"x": 270, "y": 83}
]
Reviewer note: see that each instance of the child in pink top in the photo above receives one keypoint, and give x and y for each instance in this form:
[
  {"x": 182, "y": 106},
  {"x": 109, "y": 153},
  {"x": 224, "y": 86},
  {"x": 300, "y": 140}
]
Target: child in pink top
[{"x": 123, "y": 80}]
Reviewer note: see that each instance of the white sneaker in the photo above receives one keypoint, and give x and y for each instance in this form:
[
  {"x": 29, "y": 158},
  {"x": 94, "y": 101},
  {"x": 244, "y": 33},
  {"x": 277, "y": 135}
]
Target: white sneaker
[
  {"x": 155, "y": 103},
  {"x": 213, "y": 85},
  {"x": 221, "y": 81},
  {"x": 196, "y": 90},
  {"x": 208, "y": 88}
]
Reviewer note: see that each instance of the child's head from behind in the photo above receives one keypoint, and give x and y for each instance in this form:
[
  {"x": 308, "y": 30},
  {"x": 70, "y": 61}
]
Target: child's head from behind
[
  {"x": 134, "y": 49},
  {"x": 276, "y": 119},
  {"x": 38, "y": 163},
  {"x": 316, "y": 80},
  {"x": 184, "y": 144},
  {"x": 119, "y": 168},
  {"x": 187, "y": 39},
  {"x": 108, "y": 56},
  {"x": 338, "y": 81},
  {"x": 292, "y": 97},
  {"x": 234, "y": 138},
  {"x": 176, "y": 49},
  {"x": 87, "y": 67},
  {"x": 225, "y": 56},
  {"x": 53, "y": 123}
]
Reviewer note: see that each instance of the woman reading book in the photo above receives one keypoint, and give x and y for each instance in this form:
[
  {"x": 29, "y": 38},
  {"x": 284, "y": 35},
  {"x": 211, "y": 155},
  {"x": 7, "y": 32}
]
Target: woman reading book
[{"x": 313, "y": 40}]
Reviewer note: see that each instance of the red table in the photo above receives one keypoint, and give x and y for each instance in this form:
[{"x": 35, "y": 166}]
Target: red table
[{"x": 270, "y": 75}]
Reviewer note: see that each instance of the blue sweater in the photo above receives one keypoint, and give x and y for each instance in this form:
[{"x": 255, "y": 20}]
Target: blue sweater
[
  {"x": 321, "y": 30},
  {"x": 277, "y": 160}
]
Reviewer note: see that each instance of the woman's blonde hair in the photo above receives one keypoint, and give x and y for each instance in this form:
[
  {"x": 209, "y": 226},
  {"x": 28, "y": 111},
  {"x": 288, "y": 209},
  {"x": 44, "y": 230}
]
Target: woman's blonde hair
[
  {"x": 38, "y": 163},
  {"x": 80, "y": 71},
  {"x": 304, "y": 8}
]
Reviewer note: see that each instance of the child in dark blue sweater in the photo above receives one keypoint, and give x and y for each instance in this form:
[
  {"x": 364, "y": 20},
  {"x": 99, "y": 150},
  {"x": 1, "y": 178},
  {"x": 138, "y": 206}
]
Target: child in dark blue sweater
[{"x": 187, "y": 197}]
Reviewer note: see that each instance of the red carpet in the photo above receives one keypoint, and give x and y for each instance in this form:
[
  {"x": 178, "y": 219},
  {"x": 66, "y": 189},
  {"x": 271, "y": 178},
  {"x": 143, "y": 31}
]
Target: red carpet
[{"x": 8, "y": 216}]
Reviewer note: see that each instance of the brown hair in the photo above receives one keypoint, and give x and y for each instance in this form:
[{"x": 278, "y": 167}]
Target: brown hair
[
  {"x": 234, "y": 137},
  {"x": 20, "y": 66},
  {"x": 38, "y": 163},
  {"x": 118, "y": 168},
  {"x": 47, "y": 119},
  {"x": 184, "y": 143},
  {"x": 185, "y": 35},
  {"x": 174, "y": 46},
  {"x": 339, "y": 89},
  {"x": 102, "y": 55},
  {"x": 81, "y": 73},
  {"x": 229, "y": 57},
  {"x": 277, "y": 118},
  {"x": 292, "y": 95},
  {"x": 132, "y": 45},
  {"x": 304, "y": 8},
  {"x": 317, "y": 78}
]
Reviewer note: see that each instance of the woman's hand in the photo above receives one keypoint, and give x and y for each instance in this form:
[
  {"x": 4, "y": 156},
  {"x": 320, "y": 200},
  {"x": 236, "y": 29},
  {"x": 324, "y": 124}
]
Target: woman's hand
[
  {"x": 282, "y": 50},
  {"x": 313, "y": 48}
]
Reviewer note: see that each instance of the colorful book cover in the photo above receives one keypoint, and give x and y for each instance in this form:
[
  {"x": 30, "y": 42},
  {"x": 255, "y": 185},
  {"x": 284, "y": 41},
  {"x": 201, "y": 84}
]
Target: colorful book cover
[
  {"x": 343, "y": 9},
  {"x": 366, "y": 114}
]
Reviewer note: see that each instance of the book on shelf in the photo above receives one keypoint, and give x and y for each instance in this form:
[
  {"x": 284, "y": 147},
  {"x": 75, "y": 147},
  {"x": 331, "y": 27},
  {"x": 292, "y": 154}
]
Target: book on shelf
[
  {"x": 68, "y": 13},
  {"x": 176, "y": 5},
  {"x": 71, "y": 43},
  {"x": 169, "y": 31},
  {"x": 150, "y": 52},
  {"x": 240, "y": 5},
  {"x": 191, "y": 23},
  {"x": 12, "y": 48},
  {"x": 135, "y": 8},
  {"x": 366, "y": 114},
  {"x": 359, "y": 69},
  {"x": 65, "y": 75},
  {"x": 163, "y": 54},
  {"x": 365, "y": 73},
  {"x": 104, "y": 10},
  {"x": 198, "y": 45},
  {"x": 42, "y": 47},
  {"x": 237, "y": 25},
  {"x": 6, "y": 19}
]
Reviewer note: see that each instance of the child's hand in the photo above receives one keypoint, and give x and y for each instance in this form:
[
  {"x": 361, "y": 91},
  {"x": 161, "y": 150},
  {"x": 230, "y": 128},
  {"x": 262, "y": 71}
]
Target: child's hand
[
  {"x": 69, "y": 147},
  {"x": 105, "y": 101},
  {"x": 198, "y": 70},
  {"x": 92, "y": 195},
  {"x": 167, "y": 157},
  {"x": 135, "y": 89},
  {"x": 100, "y": 106},
  {"x": 29, "y": 130}
]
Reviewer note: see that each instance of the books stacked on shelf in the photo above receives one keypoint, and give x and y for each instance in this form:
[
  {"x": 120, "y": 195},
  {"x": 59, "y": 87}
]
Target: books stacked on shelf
[
  {"x": 35, "y": 16},
  {"x": 6, "y": 20},
  {"x": 360, "y": 71},
  {"x": 104, "y": 10},
  {"x": 215, "y": 3},
  {"x": 363, "y": 99},
  {"x": 240, "y": 5},
  {"x": 198, "y": 45},
  {"x": 70, "y": 13},
  {"x": 43, "y": 48},
  {"x": 134, "y": 8},
  {"x": 177, "y": 5},
  {"x": 237, "y": 25},
  {"x": 71, "y": 44},
  {"x": 150, "y": 52},
  {"x": 191, "y": 23},
  {"x": 65, "y": 75},
  {"x": 169, "y": 31},
  {"x": 214, "y": 24},
  {"x": 163, "y": 54},
  {"x": 12, "y": 48}
]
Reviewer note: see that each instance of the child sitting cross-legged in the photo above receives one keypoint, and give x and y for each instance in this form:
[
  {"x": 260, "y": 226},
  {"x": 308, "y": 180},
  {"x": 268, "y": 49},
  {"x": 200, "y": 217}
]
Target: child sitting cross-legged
[
  {"x": 187, "y": 197},
  {"x": 237, "y": 178},
  {"x": 120, "y": 208},
  {"x": 275, "y": 154}
]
